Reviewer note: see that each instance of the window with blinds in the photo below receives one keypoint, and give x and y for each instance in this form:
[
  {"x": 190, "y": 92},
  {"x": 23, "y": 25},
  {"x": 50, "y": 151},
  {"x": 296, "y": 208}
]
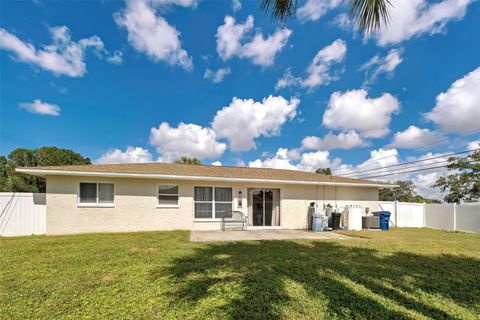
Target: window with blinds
[
  {"x": 212, "y": 202},
  {"x": 167, "y": 196},
  {"x": 96, "y": 193}
]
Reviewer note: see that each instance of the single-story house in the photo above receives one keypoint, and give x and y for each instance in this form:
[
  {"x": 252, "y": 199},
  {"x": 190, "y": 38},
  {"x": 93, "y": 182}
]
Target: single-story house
[{"x": 168, "y": 196}]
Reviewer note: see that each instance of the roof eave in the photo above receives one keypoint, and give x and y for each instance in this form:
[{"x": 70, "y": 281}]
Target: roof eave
[{"x": 44, "y": 173}]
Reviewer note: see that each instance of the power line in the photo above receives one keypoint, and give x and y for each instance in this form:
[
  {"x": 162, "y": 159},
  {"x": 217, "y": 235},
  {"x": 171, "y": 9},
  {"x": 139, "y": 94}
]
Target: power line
[
  {"x": 426, "y": 166},
  {"x": 466, "y": 133},
  {"x": 406, "y": 163},
  {"x": 409, "y": 171}
]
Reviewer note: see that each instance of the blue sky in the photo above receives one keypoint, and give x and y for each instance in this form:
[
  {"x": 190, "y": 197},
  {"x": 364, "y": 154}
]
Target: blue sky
[{"x": 100, "y": 77}]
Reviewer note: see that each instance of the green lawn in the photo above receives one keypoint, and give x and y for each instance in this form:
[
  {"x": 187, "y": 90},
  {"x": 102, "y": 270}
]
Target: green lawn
[{"x": 400, "y": 274}]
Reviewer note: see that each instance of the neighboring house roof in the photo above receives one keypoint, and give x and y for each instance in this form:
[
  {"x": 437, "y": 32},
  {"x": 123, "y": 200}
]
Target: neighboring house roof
[{"x": 161, "y": 170}]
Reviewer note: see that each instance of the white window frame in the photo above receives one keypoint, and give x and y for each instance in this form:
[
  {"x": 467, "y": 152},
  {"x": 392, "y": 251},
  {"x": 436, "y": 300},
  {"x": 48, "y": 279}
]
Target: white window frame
[
  {"x": 96, "y": 204},
  {"x": 213, "y": 218},
  {"x": 170, "y": 194}
]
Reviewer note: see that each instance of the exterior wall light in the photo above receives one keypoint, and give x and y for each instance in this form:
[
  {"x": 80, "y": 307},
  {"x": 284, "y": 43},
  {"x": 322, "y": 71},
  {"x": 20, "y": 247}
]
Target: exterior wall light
[{"x": 240, "y": 199}]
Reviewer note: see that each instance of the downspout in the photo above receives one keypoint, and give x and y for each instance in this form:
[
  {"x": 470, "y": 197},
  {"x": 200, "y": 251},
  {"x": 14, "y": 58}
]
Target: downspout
[
  {"x": 336, "y": 198},
  {"x": 323, "y": 201}
]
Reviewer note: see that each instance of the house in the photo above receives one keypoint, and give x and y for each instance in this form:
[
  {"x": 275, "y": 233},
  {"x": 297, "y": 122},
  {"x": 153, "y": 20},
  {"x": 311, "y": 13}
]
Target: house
[{"x": 168, "y": 196}]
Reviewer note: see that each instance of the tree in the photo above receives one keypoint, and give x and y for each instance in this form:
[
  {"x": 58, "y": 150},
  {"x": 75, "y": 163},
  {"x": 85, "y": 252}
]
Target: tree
[
  {"x": 12, "y": 181},
  {"x": 326, "y": 171},
  {"x": 405, "y": 192},
  {"x": 369, "y": 15},
  {"x": 464, "y": 183},
  {"x": 53, "y": 156},
  {"x": 188, "y": 160}
]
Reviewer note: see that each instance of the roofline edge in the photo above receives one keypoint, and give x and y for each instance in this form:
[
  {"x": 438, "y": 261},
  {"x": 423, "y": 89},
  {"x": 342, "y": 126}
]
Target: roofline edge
[{"x": 41, "y": 173}]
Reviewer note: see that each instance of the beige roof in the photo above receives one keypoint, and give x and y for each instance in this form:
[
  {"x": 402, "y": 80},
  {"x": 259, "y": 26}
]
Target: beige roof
[{"x": 189, "y": 171}]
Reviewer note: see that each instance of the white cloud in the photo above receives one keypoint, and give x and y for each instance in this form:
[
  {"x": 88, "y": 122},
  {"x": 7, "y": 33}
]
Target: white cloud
[
  {"x": 411, "y": 18},
  {"x": 189, "y": 140},
  {"x": 370, "y": 117},
  {"x": 152, "y": 34},
  {"x": 348, "y": 140},
  {"x": 378, "y": 160},
  {"x": 181, "y": 3},
  {"x": 39, "y": 107},
  {"x": 319, "y": 71},
  {"x": 243, "y": 120},
  {"x": 458, "y": 110},
  {"x": 236, "y": 5},
  {"x": 260, "y": 50},
  {"x": 279, "y": 161},
  {"x": 62, "y": 57},
  {"x": 216, "y": 76},
  {"x": 229, "y": 36},
  {"x": 292, "y": 160},
  {"x": 414, "y": 137},
  {"x": 130, "y": 155},
  {"x": 381, "y": 162},
  {"x": 287, "y": 80},
  {"x": 116, "y": 57},
  {"x": 424, "y": 180},
  {"x": 423, "y": 183},
  {"x": 311, "y": 161},
  {"x": 216, "y": 163},
  {"x": 344, "y": 22},
  {"x": 315, "y": 9},
  {"x": 473, "y": 145},
  {"x": 378, "y": 65}
]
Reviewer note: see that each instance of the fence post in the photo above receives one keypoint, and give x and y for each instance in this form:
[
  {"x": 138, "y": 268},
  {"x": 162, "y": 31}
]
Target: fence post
[
  {"x": 424, "y": 213},
  {"x": 454, "y": 217},
  {"x": 396, "y": 213}
]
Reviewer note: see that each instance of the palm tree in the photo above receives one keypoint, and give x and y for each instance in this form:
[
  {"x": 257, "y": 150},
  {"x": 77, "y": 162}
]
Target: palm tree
[
  {"x": 367, "y": 14},
  {"x": 187, "y": 160},
  {"x": 326, "y": 171}
]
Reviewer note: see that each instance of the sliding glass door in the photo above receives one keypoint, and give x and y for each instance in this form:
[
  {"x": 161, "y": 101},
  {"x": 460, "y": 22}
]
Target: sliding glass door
[{"x": 264, "y": 207}]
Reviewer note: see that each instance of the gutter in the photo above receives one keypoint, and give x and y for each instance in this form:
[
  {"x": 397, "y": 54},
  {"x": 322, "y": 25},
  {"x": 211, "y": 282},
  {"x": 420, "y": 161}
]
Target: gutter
[{"x": 43, "y": 173}]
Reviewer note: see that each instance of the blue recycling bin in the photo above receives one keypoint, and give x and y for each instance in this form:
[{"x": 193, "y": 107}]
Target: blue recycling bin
[{"x": 384, "y": 219}]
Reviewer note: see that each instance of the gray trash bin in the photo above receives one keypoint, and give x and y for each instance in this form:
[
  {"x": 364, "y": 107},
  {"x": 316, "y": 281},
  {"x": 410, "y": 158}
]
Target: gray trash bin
[
  {"x": 317, "y": 222},
  {"x": 320, "y": 222}
]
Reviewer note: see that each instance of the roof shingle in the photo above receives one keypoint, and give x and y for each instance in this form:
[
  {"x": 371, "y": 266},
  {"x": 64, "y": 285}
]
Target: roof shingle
[{"x": 160, "y": 168}]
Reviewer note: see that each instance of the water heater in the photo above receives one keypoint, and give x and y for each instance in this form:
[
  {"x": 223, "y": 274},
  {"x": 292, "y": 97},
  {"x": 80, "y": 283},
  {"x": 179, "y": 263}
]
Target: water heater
[{"x": 354, "y": 221}]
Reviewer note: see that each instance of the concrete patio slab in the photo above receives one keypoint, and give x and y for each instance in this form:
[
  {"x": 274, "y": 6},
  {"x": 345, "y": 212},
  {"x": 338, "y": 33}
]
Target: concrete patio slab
[{"x": 208, "y": 236}]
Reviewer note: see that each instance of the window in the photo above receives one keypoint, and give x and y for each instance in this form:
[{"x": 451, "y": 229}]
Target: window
[
  {"x": 223, "y": 202},
  {"x": 88, "y": 193},
  {"x": 209, "y": 200},
  {"x": 105, "y": 193},
  {"x": 203, "y": 197},
  {"x": 96, "y": 193},
  {"x": 167, "y": 196}
]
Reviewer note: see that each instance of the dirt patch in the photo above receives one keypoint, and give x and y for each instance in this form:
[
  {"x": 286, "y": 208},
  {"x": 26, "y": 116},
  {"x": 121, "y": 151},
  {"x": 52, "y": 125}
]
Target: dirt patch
[{"x": 108, "y": 278}]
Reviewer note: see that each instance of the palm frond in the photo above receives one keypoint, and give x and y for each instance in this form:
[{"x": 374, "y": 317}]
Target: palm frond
[
  {"x": 280, "y": 9},
  {"x": 370, "y": 14}
]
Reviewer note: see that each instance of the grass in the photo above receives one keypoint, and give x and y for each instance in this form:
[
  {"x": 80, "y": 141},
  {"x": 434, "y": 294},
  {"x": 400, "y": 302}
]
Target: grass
[{"x": 400, "y": 274}]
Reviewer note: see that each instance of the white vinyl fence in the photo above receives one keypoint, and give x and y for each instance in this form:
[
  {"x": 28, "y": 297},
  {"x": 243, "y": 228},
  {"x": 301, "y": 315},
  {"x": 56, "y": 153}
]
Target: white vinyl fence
[
  {"x": 22, "y": 214},
  {"x": 25, "y": 214},
  {"x": 447, "y": 216}
]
